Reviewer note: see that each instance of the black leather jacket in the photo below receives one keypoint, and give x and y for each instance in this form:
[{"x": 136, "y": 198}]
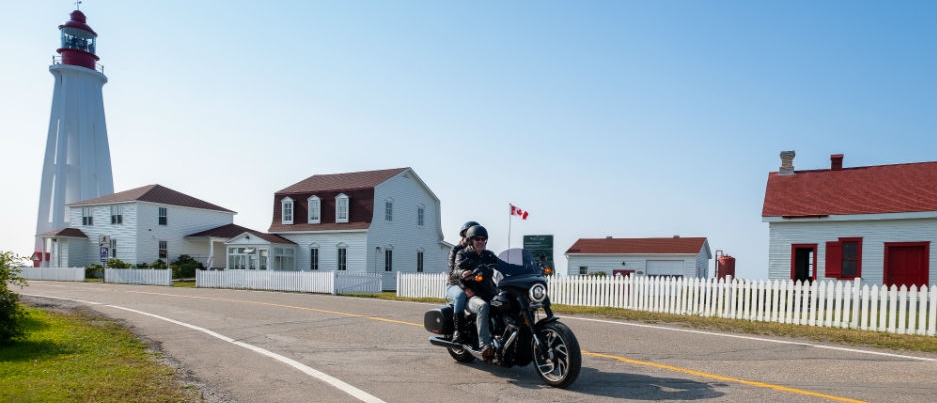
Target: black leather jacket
[
  {"x": 468, "y": 259},
  {"x": 455, "y": 276}
]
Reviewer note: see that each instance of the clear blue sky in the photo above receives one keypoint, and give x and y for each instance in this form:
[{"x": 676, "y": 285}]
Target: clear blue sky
[{"x": 601, "y": 118}]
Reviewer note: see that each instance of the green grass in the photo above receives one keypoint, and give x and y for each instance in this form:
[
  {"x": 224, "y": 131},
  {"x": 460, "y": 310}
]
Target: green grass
[{"x": 73, "y": 357}]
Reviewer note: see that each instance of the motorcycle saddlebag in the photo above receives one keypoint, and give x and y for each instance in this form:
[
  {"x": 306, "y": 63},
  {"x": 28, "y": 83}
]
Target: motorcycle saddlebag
[{"x": 439, "y": 320}]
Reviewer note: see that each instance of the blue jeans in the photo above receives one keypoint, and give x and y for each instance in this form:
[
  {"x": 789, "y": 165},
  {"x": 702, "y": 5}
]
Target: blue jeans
[
  {"x": 480, "y": 307},
  {"x": 455, "y": 294}
]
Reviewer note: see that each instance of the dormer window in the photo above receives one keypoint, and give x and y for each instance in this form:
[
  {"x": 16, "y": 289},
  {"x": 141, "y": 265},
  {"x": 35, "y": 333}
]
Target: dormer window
[
  {"x": 315, "y": 210},
  {"x": 341, "y": 208},
  {"x": 286, "y": 208}
]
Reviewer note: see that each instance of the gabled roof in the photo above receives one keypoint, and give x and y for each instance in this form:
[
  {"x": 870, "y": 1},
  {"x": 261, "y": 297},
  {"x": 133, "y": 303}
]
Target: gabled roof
[
  {"x": 232, "y": 230},
  {"x": 638, "y": 246},
  {"x": 153, "y": 194},
  {"x": 342, "y": 181},
  {"x": 899, "y": 188},
  {"x": 64, "y": 232}
]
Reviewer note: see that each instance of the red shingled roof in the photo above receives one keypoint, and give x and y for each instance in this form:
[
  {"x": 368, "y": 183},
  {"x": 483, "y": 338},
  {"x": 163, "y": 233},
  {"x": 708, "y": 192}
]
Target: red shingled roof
[
  {"x": 342, "y": 182},
  {"x": 65, "y": 232},
  {"x": 153, "y": 194},
  {"x": 898, "y": 188},
  {"x": 691, "y": 246},
  {"x": 233, "y": 230}
]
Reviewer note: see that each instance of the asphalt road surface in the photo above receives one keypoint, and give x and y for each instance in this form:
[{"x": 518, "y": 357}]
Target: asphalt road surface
[{"x": 252, "y": 346}]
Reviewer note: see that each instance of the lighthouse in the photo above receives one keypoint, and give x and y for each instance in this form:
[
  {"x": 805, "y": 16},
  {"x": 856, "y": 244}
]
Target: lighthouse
[{"x": 77, "y": 164}]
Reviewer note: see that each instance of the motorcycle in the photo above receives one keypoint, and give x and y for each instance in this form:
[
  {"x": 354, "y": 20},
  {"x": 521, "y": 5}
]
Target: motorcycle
[{"x": 523, "y": 326}]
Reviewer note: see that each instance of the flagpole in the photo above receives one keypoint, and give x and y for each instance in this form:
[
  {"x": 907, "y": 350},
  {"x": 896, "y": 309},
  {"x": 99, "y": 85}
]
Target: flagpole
[{"x": 509, "y": 228}]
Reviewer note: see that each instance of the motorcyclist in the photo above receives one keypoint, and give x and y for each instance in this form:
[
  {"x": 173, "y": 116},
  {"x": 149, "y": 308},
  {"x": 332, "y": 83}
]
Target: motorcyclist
[
  {"x": 454, "y": 290},
  {"x": 476, "y": 259}
]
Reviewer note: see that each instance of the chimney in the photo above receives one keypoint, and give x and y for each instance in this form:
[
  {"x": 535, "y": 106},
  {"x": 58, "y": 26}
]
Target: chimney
[
  {"x": 787, "y": 163},
  {"x": 836, "y": 162}
]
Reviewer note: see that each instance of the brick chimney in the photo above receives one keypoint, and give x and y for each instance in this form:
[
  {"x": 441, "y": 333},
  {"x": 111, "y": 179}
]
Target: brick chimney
[
  {"x": 836, "y": 162},
  {"x": 787, "y": 163}
]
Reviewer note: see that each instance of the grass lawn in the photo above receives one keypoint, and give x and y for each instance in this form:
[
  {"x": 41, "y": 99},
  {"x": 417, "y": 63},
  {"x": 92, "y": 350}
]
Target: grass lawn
[{"x": 73, "y": 357}]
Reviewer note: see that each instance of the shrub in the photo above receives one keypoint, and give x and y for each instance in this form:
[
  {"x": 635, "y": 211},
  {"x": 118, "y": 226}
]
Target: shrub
[
  {"x": 185, "y": 266},
  {"x": 94, "y": 271},
  {"x": 157, "y": 264},
  {"x": 11, "y": 313},
  {"x": 115, "y": 263}
]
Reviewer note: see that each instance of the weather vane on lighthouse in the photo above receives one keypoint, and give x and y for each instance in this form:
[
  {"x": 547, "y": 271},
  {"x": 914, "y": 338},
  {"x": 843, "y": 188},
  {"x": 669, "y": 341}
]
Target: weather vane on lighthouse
[{"x": 77, "y": 4}]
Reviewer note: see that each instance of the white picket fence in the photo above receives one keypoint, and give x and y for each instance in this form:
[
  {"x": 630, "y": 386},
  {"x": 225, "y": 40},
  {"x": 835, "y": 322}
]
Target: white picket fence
[
  {"x": 328, "y": 282},
  {"x": 823, "y": 303},
  {"x": 53, "y": 273},
  {"x": 138, "y": 276}
]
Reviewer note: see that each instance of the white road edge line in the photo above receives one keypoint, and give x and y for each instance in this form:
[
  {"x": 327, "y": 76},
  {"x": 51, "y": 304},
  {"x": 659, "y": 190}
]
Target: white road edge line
[
  {"x": 337, "y": 383},
  {"x": 852, "y": 350}
]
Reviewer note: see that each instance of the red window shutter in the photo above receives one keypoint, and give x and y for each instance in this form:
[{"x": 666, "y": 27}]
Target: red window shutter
[{"x": 834, "y": 259}]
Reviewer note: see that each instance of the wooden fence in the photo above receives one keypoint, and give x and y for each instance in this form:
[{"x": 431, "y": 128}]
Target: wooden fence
[
  {"x": 53, "y": 273},
  {"x": 328, "y": 282},
  {"x": 831, "y": 303},
  {"x": 138, "y": 276}
]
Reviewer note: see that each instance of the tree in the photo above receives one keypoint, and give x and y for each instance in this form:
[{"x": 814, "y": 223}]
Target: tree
[{"x": 11, "y": 313}]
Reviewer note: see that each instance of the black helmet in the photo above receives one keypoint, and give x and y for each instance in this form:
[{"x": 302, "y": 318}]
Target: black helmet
[
  {"x": 466, "y": 226},
  {"x": 476, "y": 230}
]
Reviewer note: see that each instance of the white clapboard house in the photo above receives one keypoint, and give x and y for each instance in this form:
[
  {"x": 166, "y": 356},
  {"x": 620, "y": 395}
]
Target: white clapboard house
[
  {"x": 877, "y": 223},
  {"x": 676, "y": 256},
  {"x": 382, "y": 221},
  {"x": 137, "y": 226}
]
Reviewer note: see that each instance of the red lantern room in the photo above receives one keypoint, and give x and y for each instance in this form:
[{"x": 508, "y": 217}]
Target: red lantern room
[{"x": 78, "y": 42}]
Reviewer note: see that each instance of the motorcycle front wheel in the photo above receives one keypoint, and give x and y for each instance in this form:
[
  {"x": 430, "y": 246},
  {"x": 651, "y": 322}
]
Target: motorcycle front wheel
[{"x": 562, "y": 369}]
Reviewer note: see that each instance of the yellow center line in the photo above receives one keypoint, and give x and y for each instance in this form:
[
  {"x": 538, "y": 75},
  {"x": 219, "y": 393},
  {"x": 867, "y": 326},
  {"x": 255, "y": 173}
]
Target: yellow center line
[
  {"x": 722, "y": 378},
  {"x": 584, "y": 352}
]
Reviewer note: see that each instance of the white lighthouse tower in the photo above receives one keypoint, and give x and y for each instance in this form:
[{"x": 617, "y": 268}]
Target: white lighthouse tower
[{"x": 77, "y": 163}]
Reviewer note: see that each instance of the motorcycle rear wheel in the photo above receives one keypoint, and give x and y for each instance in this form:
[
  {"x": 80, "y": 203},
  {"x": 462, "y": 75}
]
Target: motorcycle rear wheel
[
  {"x": 563, "y": 369},
  {"x": 460, "y": 355}
]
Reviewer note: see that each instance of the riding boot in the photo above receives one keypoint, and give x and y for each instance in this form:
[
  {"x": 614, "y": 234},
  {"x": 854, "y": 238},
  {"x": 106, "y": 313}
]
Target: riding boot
[{"x": 457, "y": 324}]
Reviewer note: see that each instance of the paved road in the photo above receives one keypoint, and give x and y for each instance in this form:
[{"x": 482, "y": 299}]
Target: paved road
[{"x": 288, "y": 347}]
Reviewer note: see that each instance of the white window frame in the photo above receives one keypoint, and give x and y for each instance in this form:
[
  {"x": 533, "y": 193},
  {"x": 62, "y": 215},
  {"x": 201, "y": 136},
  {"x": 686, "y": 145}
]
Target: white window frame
[
  {"x": 389, "y": 259},
  {"x": 389, "y": 209},
  {"x": 341, "y": 208},
  {"x": 117, "y": 215},
  {"x": 163, "y": 216},
  {"x": 286, "y": 210},
  {"x": 419, "y": 260},
  {"x": 420, "y": 215},
  {"x": 87, "y": 216},
  {"x": 314, "y": 205},
  {"x": 341, "y": 257},
  {"x": 314, "y": 257}
]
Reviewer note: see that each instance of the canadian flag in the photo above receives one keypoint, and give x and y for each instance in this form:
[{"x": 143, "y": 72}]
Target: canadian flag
[{"x": 518, "y": 212}]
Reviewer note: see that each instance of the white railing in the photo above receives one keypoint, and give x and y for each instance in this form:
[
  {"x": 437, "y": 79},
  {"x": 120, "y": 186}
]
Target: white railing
[
  {"x": 53, "y": 273},
  {"x": 828, "y": 303},
  {"x": 138, "y": 276},
  {"x": 327, "y": 282}
]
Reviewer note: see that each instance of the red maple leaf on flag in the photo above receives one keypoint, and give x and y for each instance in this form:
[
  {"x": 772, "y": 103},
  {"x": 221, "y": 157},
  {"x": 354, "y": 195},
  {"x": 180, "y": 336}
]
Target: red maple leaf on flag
[{"x": 518, "y": 212}]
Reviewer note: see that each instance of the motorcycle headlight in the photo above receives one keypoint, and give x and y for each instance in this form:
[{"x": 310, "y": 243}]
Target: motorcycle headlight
[{"x": 538, "y": 293}]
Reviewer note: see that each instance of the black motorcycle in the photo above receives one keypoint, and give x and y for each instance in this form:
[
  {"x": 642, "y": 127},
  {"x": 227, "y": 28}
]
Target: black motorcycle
[{"x": 523, "y": 327}]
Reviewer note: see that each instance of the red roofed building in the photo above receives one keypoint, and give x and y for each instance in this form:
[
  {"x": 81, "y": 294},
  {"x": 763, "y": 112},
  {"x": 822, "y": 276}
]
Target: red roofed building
[
  {"x": 138, "y": 226},
  {"x": 676, "y": 256},
  {"x": 384, "y": 221},
  {"x": 877, "y": 223}
]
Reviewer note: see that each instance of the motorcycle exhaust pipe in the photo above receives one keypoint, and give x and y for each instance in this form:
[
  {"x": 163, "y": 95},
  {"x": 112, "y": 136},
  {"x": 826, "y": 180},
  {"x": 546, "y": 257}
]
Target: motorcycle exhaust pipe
[{"x": 438, "y": 341}]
